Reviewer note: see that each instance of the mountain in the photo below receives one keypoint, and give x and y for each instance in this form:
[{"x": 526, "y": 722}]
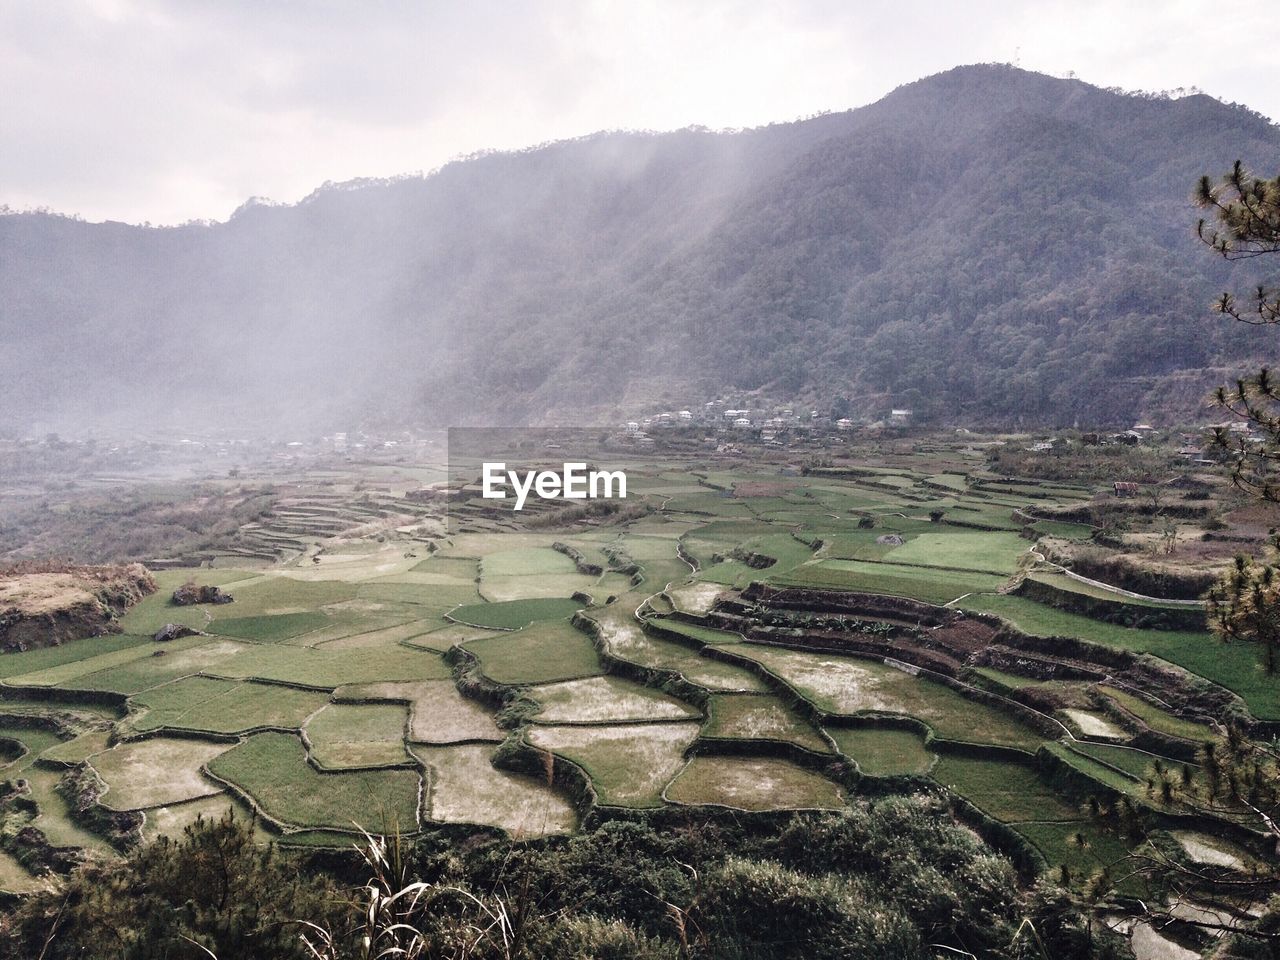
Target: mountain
[{"x": 987, "y": 245}]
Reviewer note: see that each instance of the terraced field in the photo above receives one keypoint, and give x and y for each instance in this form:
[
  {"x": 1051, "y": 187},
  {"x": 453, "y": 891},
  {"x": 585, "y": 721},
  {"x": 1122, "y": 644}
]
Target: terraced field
[{"x": 749, "y": 638}]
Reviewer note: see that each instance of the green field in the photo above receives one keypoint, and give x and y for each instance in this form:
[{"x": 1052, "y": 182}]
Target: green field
[
  {"x": 604, "y": 700},
  {"x": 883, "y": 751},
  {"x": 1159, "y": 720},
  {"x": 347, "y": 735},
  {"x": 759, "y": 717},
  {"x": 1010, "y": 792},
  {"x": 962, "y": 550},
  {"x": 156, "y": 771},
  {"x": 514, "y": 614},
  {"x": 1081, "y": 846},
  {"x": 270, "y": 628},
  {"x": 847, "y": 685},
  {"x": 629, "y": 764},
  {"x": 223, "y": 706},
  {"x": 463, "y": 786},
  {"x": 753, "y": 783},
  {"x": 271, "y": 768},
  {"x": 326, "y": 696},
  {"x": 699, "y": 633},
  {"x": 1235, "y": 666},
  {"x": 896, "y": 580},
  {"x": 538, "y": 654}
]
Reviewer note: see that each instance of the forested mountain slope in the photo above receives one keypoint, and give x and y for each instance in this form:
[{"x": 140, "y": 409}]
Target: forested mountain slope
[{"x": 986, "y": 245}]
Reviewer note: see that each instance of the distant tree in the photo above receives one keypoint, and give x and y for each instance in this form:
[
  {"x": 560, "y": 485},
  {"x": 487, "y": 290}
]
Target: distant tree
[
  {"x": 1244, "y": 605},
  {"x": 1244, "y": 223}
]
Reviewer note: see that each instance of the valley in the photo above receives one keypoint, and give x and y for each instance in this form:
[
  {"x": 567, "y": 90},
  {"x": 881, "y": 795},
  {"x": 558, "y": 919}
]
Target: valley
[{"x": 753, "y": 633}]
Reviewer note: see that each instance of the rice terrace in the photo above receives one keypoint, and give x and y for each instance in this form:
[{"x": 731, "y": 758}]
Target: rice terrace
[{"x": 741, "y": 633}]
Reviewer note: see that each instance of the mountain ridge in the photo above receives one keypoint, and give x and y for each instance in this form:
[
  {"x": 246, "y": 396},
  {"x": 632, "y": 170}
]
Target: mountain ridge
[{"x": 986, "y": 245}]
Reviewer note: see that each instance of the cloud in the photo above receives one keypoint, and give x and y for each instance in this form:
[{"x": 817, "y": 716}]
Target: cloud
[{"x": 167, "y": 110}]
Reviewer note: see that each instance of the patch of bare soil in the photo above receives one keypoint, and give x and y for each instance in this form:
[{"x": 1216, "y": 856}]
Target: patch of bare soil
[{"x": 43, "y": 605}]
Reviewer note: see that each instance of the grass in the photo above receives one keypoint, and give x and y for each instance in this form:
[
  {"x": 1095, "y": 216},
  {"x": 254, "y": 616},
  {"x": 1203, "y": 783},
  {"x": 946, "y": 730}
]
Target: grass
[
  {"x": 541, "y": 653},
  {"x": 1063, "y": 528},
  {"x": 162, "y": 666},
  {"x": 273, "y": 770},
  {"x": 379, "y": 637},
  {"x": 1093, "y": 769},
  {"x": 1062, "y": 582},
  {"x": 1235, "y": 666},
  {"x": 895, "y": 580},
  {"x": 695, "y": 598},
  {"x": 729, "y": 573},
  {"x": 345, "y": 735},
  {"x": 79, "y": 749},
  {"x": 15, "y": 879},
  {"x": 36, "y": 740},
  {"x": 695, "y": 631},
  {"x": 514, "y": 614},
  {"x": 465, "y": 787},
  {"x": 438, "y": 713},
  {"x": 883, "y": 751},
  {"x": 605, "y": 700},
  {"x": 68, "y": 671},
  {"x": 53, "y": 701},
  {"x": 262, "y": 596},
  {"x": 759, "y": 716},
  {"x": 270, "y": 629},
  {"x": 1081, "y": 846},
  {"x": 962, "y": 550},
  {"x": 1012, "y": 681},
  {"x": 332, "y": 668},
  {"x": 629, "y": 764},
  {"x": 524, "y": 561},
  {"x": 154, "y": 771},
  {"x": 624, "y": 638},
  {"x": 456, "y": 570},
  {"x": 1136, "y": 763},
  {"x": 861, "y": 544},
  {"x": 54, "y": 818},
  {"x": 1157, "y": 719},
  {"x": 847, "y": 685},
  {"x": 754, "y": 783},
  {"x": 74, "y": 651},
  {"x": 424, "y": 601},
  {"x": 1008, "y": 791},
  {"x": 224, "y": 706}
]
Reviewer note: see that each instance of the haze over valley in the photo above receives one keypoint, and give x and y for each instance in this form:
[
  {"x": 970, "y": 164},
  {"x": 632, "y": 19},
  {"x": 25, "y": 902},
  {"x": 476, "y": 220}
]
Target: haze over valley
[{"x": 987, "y": 246}]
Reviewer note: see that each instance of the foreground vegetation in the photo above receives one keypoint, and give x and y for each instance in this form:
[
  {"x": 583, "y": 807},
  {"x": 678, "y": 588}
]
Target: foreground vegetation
[{"x": 888, "y": 878}]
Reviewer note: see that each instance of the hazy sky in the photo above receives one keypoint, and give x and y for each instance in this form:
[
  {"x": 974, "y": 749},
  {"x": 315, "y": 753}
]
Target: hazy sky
[{"x": 168, "y": 110}]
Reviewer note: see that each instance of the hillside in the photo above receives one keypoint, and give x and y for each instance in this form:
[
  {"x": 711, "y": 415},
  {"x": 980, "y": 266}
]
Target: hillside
[
  {"x": 45, "y": 605},
  {"x": 986, "y": 245}
]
